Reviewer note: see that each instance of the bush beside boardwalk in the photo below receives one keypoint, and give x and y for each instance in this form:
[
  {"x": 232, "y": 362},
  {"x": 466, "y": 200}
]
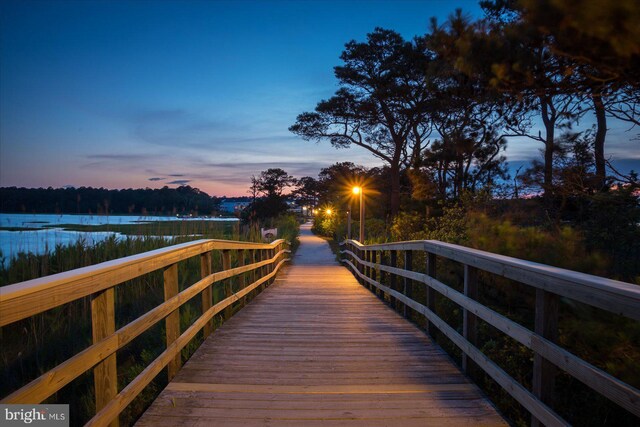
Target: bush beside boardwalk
[{"x": 33, "y": 346}]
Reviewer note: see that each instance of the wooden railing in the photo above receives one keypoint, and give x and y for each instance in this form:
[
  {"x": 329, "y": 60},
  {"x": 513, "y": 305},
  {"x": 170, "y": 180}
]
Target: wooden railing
[
  {"x": 375, "y": 265},
  {"x": 26, "y": 299}
]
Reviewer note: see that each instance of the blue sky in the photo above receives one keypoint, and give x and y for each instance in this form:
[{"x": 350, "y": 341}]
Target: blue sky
[{"x": 148, "y": 93}]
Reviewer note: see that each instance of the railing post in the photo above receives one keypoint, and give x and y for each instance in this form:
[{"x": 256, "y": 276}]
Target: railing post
[
  {"x": 275, "y": 261},
  {"x": 265, "y": 269},
  {"x": 255, "y": 257},
  {"x": 360, "y": 254},
  {"x": 261, "y": 270},
  {"x": 365, "y": 255},
  {"x": 269, "y": 266},
  {"x": 266, "y": 255},
  {"x": 103, "y": 324},
  {"x": 393, "y": 262},
  {"x": 226, "y": 265},
  {"x": 242, "y": 258},
  {"x": 347, "y": 247},
  {"x": 207, "y": 294},
  {"x": 546, "y": 325},
  {"x": 407, "y": 284},
  {"x": 373, "y": 273},
  {"x": 354, "y": 250},
  {"x": 367, "y": 272},
  {"x": 469, "y": 320},
  {"x": 383, "y": 261},
  {"x": 373, "y": 258},
  {"x": 172, "y": 321},
  {"x": 272, "y": 265},
  {"x": 430, "y": 293}
]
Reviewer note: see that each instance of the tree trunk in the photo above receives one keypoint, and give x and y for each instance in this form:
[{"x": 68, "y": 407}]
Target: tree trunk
[
  {"x": 549, "y": 120},
  {"x": 395, "y": 189},
  {"x": 442, "y": 179},
  {"x": 601, "y": 133},
  {"x": 459, "y": 175},
  {"x": 416, "y": 153}
]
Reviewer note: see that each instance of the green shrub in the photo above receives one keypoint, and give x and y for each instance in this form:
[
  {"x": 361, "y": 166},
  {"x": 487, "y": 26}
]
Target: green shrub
[
  {"x": 288, "y": 229},
  {"x": 565, "y": 247}
]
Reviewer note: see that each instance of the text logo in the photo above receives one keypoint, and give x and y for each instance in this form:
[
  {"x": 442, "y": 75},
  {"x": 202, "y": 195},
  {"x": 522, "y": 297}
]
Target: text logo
[{"x": 35, "y": 415}]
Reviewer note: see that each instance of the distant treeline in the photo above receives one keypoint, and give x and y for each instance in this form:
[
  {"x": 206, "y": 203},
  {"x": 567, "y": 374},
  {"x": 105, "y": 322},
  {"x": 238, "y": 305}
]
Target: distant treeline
[{"x": 87, "y": 200}]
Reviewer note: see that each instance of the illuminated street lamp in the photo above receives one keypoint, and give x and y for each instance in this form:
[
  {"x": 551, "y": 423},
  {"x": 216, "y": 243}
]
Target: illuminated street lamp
[
  {"x": 360, "y": 191},
  {"x": 329, "y": 212}
]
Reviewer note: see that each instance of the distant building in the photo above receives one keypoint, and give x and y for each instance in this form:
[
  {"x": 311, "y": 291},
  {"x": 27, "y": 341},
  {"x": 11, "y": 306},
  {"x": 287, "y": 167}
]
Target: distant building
[
  {"x": 233, "y": 205},
  {"x": 293, "y": 206}
]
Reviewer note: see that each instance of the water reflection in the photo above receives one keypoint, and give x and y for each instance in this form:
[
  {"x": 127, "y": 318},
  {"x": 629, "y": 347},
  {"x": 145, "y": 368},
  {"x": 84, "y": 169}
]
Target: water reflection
[{"x": 39, "y": 233}]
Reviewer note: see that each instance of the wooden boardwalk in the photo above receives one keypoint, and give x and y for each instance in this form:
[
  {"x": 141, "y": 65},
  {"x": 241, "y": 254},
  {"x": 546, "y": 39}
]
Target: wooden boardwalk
[{"x": 318, "y": 349}]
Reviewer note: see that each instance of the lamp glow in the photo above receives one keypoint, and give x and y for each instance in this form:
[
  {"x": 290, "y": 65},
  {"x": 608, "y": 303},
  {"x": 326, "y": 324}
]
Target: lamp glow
[{"x": 359, "y": 191}]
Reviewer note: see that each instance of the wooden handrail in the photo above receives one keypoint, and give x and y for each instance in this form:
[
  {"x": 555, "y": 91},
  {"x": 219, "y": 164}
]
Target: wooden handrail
[
  {"x": 23, "y": 300},
  {"x": 550, "y": 282},
  {"x": 610, "y": 295},
  {"x": 129, "y": 393}
]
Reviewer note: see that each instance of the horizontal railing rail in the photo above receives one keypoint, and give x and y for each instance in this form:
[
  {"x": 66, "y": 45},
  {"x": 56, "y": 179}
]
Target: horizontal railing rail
[
  {"x": 370, "y": 262},
  {"x": 26, "y": 299}
]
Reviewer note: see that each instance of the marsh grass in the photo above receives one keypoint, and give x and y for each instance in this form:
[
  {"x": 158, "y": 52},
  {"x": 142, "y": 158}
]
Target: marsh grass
[
  {"x": 162, "y": 228},
  {"x": 33, "y": 346}
]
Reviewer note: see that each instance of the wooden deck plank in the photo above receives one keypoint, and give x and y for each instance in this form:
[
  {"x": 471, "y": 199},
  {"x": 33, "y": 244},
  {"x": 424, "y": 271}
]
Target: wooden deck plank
[
  {"x": 318, "y": 349},
  {"x": 162, "y": 420}
]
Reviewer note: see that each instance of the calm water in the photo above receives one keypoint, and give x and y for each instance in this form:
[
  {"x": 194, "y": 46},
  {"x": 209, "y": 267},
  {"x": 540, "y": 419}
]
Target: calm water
[{"x": 44, "y": 234}]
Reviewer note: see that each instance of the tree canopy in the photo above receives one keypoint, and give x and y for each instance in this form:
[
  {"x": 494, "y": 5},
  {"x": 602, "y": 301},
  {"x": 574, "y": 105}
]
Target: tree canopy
[
  {"x": 273, "y": 182},
  {"x": 88, "y": 200},
  {"x": 439, "y": 109},
  {"x": 379, "y": 106}
]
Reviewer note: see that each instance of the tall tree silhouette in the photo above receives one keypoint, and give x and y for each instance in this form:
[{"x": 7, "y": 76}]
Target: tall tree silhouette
[
  {"x": 273, "y": 182},
  {"x": 270, "y": 184},
  {"x": 379, "y": 106},
  {"x": 465, "y": 112},
  {"x": 585, "y": 51}
]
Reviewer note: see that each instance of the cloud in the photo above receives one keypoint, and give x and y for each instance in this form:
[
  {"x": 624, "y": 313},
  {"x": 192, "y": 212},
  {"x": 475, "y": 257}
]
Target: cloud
[
  {"x": 260, "y": 166},
  {"x": 180, "y": 182},
  {"x": 119, "y": 157},
  {"x": 298, "y": 169},
  {"x": 186, "y": 129},
  {"x": 214, "y": 155},
  {"x": 153, "y": 115},
  {"x": 177, "y": 127},
  {"x": 118, "y": 160}
]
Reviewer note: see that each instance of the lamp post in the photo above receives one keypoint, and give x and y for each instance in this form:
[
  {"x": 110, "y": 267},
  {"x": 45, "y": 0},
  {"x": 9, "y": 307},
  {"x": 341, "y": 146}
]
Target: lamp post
[
  {"x": 349, "y": 222},
  {"x": 360, "y": 191}
]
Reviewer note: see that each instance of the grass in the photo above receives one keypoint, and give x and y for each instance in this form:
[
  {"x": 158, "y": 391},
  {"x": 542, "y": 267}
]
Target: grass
[{"x": 161, "y": 228}]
